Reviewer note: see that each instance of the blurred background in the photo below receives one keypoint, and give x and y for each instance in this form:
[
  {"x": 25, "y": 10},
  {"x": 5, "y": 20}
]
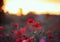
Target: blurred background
[{"x": 46, "y": 12}]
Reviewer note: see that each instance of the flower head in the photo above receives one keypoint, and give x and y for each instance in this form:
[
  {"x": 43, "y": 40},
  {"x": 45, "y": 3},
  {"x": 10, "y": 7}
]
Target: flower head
[
  {"x": 24, "y": 41},
  {"x": 18, "y": 33},
  {"x": 23, "y": 30},
  {"x": 28, "y": 40},
  {"x": 12, "y": 31},
  {"x": 48, "y": 32},
  {"x": 36, "y": 24},
  {"x": 16, "y": 25},
  {"x": 18, "y": 39},
  {"x": 50, "y": 37},
  {"x": 25, "y": 36},
  {"x": 30, "y": 21},
  {"x": 39, "y": 28}
]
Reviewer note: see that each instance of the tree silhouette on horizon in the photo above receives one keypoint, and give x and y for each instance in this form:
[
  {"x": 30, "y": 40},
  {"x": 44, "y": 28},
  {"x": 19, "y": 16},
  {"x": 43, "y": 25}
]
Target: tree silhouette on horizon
[{"x": 2, "y": 15}]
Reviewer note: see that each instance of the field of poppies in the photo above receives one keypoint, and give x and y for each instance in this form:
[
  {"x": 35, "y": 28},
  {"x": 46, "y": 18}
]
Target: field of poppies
[{"x": 34, "y": 30}]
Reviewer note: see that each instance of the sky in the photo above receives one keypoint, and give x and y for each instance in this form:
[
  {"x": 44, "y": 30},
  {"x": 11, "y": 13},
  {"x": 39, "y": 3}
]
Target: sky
[{"x": 52, "y": 6}]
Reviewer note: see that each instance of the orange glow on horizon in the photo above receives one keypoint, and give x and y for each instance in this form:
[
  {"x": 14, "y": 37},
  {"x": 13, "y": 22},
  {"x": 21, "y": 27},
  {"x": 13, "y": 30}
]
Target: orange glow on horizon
[{"x": 38, "y": 6}]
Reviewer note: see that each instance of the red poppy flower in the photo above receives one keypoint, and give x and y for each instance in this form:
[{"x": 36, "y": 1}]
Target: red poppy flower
[
  {"x": 39, "y": 28},
  {"x": 30, "y": 21},
  {"x": 12, "y": 31},
  {"x": 16, "y": 25},
  {"x": 18, "y": 40},
  {"x": 50, "y": 37},
  {"x": 28, "y": 40},
  {"x": 18, "y": 33},
  {"x": 25, "y": 36},
  {"x": 36, "y": 24},
  {"x": 23, "y": 30},
  {"x": 1, "y": 28},
  {"x": 48, "y": 32}
]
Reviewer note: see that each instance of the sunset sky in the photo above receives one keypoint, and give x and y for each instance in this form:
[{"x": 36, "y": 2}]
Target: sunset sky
[{"x": 52, "y": 6}]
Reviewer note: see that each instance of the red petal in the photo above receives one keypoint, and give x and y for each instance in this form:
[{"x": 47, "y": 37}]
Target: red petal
[
  {"x": 30, "y": 21},
  {"x": 16, "y": 25}
]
